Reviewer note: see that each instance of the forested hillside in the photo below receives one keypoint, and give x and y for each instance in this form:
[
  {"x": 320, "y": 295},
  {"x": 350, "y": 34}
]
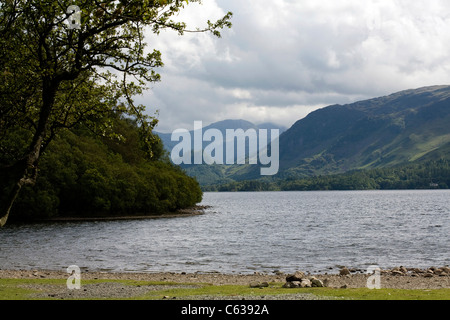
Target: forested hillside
[
  {"x": 433, "y": 174},
  {"x": 82, "y": 174}
]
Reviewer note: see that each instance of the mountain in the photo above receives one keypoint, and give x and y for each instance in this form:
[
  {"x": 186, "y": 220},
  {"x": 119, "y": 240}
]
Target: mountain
[
  {"x": 401, "y": 128},
  {"x": 407, "y": 126},
  {"x": 222, "y": 126},
  {"x": 212, "y": 174}
]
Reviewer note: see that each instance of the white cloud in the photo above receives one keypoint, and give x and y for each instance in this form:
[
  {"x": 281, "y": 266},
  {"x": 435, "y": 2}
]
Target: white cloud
[{"x": 283, "y": 58}]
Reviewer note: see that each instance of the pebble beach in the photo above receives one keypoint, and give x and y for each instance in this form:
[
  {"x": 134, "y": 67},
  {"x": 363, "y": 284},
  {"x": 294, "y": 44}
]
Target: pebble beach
[{"x": 396, "y": 278}]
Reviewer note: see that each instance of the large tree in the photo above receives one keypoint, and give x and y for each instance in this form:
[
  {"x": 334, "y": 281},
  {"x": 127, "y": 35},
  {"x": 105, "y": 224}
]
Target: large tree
[{"x": 61, "y": 65}]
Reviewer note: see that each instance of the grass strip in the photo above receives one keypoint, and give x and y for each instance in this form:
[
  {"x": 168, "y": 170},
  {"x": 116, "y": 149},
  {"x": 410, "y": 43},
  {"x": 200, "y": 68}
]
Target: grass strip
[{"x": 36, "y": 289}]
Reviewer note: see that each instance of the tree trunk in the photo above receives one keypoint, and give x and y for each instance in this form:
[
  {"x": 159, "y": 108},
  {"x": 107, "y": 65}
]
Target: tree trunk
[
  {"x": 11, "y": 184},
  {"x": 24, "y": 171},
  {"x": 8, "y": 202}
]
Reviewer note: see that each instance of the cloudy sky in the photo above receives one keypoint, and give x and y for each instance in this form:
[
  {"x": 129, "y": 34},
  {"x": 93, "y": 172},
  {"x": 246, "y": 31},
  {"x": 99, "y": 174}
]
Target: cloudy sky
[{"x": 285, "y": 58}]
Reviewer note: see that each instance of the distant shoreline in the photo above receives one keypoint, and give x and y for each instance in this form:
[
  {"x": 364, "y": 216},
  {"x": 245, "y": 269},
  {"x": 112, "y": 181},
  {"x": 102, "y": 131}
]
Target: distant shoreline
[{"x": 189, "y": 212}]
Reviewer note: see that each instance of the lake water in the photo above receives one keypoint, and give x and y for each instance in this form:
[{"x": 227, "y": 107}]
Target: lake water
[{"x": 248, "y": 232}]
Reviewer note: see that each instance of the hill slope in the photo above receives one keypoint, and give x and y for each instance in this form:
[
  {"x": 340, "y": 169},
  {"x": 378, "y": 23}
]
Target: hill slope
[{"x": 403, "y": 127}]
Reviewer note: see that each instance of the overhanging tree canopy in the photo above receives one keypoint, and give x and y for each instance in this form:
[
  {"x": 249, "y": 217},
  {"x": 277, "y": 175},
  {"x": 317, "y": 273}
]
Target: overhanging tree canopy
[{"x": 54, "y": 75}]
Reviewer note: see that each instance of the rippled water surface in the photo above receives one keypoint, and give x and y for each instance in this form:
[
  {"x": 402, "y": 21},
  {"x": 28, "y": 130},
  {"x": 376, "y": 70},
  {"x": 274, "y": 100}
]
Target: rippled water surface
[{"x": 248, "y": 232}]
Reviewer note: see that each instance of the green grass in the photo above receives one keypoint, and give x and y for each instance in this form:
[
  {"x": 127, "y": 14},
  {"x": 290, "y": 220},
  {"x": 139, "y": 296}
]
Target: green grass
[{"x": 12, "y": 289}]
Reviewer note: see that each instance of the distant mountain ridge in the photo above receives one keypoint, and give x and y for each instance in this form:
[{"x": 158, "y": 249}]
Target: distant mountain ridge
[
  {"x": 404, "y": 127},
  {"x": 211, "y": 174},
  {"x": 223, "y": 125}
]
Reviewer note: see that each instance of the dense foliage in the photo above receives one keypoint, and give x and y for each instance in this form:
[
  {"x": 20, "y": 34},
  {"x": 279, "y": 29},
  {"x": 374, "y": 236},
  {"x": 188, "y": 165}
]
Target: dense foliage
[
  {"x": 420, "y": 175},
  {"x": 63, "y": 64},
  {"x": 82, "y": 174}
]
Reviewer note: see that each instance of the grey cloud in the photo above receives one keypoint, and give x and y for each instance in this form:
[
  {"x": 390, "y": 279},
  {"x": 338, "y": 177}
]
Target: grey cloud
[{"x": 294, "y": 55}]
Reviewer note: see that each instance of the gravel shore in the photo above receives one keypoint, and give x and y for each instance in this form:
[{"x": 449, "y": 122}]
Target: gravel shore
[{"x": 395, "y": 279}]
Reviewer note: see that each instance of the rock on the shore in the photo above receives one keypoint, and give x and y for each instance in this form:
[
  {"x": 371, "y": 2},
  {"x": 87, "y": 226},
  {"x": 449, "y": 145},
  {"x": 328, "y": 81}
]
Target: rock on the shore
[
  {"x": 317, "y": 283},
  {"x": 347, "y": 278},
  {"x": 297, "y": 276},
  {"x": 300, "y": 280},
  {"x": 427, "y": 273},
  {"x": 259, "y": 285},
  {"x": 344, "y": 271}
]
